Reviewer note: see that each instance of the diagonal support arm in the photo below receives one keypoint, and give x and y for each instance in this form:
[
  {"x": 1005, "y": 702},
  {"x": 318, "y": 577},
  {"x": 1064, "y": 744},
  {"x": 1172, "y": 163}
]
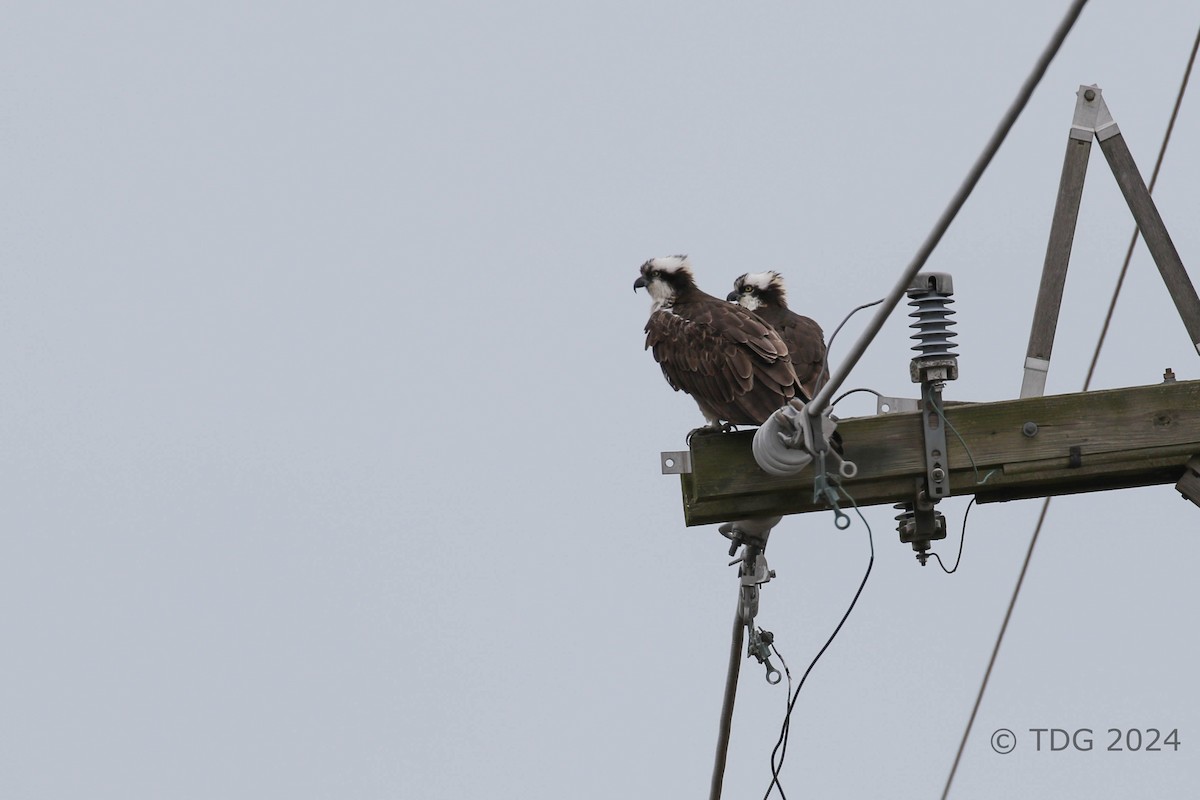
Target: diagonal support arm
[
  {"x": 1154, "y": 232},
  {"x": 1092, "y": 119},
  {"x": 1058, "y": 250}
]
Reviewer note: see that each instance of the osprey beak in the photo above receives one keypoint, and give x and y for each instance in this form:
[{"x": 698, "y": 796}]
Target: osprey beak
[
  {"x": 732, "y": 296},
  {"x": 640, "y": 283}
]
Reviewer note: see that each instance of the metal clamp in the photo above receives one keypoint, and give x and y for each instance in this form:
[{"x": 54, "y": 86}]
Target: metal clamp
[
  {"x": 760, "y": 648},
  {"x": 753, "y": 571}
]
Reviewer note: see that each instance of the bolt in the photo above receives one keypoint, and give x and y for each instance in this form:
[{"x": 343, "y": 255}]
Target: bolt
[
  {"x": 1030, "y": 429},
  {"x": 939, "y": 474},
  {"x": 1089, "y": 95}
]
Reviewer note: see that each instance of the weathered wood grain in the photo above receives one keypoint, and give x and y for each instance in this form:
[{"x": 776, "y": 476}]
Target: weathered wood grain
[{"x": 1126, "y": 437}]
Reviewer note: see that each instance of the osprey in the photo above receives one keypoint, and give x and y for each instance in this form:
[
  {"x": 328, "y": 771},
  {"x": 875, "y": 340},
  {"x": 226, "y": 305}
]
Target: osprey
[
  {"x": 734, "y": 365},
  {"x": 763, "y": 293}
]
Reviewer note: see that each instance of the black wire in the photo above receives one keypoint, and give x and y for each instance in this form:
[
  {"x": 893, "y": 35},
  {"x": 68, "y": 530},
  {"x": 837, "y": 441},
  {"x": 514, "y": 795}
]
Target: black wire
[
  {"x": 829, "y": 345},
  {"x": 785, "y": 729},
  {"x": 852, "y": 391},
  {"x": 846, "y": 319},
  {"x": 961, "y": 539}
]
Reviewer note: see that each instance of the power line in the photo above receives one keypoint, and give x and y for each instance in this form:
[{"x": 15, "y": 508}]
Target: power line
[
  {"x": 956, "y": 203},
  {"x": 1086, "y": 384}
]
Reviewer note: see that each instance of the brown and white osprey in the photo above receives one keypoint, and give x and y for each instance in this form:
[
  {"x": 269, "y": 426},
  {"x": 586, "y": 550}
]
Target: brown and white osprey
[
  {"x": 763, "y": 293},
  {"x": 734, "y": 365}
]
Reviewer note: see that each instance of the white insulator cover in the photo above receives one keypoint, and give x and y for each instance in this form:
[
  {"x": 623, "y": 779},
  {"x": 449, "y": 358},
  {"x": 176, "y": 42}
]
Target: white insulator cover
[{"x": 773, "y": 455}]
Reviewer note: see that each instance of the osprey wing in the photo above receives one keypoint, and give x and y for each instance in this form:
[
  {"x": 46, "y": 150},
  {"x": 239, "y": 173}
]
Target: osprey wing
[
  {"x": 732, "y": 363},
  {"x": 806, "y": 344}
]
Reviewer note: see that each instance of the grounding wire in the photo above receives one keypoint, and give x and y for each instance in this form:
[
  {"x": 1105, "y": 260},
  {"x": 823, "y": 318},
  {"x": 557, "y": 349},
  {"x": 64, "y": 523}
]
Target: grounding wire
[
  {"x": 962, "y": 538},
  {"x": 785, "y": 728},
  {"x": 956, "y": 203},
  {"x": 1086, "y": 385}
]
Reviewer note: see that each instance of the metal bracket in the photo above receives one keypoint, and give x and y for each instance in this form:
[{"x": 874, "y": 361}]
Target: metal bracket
[
  {"x": 676, "y": 462},
  {"x": 759, "y": 646},
  {"x": 920, "y": 524},
  {"x": 895, "y": 405},
  {"x": 937, "y": 473},
  {"x": 753, "y": 572}
]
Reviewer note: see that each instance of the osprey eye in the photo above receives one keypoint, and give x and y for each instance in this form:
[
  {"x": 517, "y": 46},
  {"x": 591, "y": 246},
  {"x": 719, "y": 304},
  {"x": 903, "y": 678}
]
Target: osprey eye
[{"x": 747, "y": 289}]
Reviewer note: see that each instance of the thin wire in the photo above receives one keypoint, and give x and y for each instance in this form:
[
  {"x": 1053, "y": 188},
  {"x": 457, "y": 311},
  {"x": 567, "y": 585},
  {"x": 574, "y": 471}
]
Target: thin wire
[
  {"x": 1162, "y": 151},
  {"x": 978, "y": 482},
  {"x": 825, "y": 363},
  {"x": 786, "y": 671},
  {"x": 1086, "y": 384},
  {"x": 846, "y": 319},
  {"x": 962, "y": 538},
  {"x": 787, "y": 707},
  {"x": 785, "y": 729},
  {"x": 852, "y": 391},
  {"x": 996, "y": 649},
  {"x": 956, "y": 203}
]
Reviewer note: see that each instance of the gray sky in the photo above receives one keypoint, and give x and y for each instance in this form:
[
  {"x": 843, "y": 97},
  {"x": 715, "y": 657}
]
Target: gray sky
[{"x": 331, "y": 448}]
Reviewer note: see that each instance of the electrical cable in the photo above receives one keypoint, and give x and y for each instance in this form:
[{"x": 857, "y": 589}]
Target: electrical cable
[
  {"x": 1086, "y": 385},
  {"x": 996, "y": 649},
  {"x": 825, "y": 364},
  {"x": 785, "y": 729},
  {"x": 852, "y": 391},
  {"x": 962, "y": 538},
  {"x": 846, "y": 319},
  {"x": 956, "y": 203}
]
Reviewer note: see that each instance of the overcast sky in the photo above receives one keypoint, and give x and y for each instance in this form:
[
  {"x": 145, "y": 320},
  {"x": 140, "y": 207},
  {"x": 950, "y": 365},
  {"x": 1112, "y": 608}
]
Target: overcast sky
[{"x": 332, "y": 453}]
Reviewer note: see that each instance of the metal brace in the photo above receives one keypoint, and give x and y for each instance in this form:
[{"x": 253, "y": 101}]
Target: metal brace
[
  {"x": 920, "y": 524},
  {"x": 936, "y": 474},
  {"x": 676, "y": 462},
  {"x": 753, "y": 572},
  {"x": 760, "y": 648},
  {"x": 895, "y": 405}
]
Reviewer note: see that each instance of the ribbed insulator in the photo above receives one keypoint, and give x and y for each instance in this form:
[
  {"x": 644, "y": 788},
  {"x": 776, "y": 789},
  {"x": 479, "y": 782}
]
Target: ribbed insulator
[{"x": 933, "y": 321}]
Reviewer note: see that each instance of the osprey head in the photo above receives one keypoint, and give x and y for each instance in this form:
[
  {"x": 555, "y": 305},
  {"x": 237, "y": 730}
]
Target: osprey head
[
  {"x": 755, "y": 289},
  {"x": 664, "y": 278}
]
